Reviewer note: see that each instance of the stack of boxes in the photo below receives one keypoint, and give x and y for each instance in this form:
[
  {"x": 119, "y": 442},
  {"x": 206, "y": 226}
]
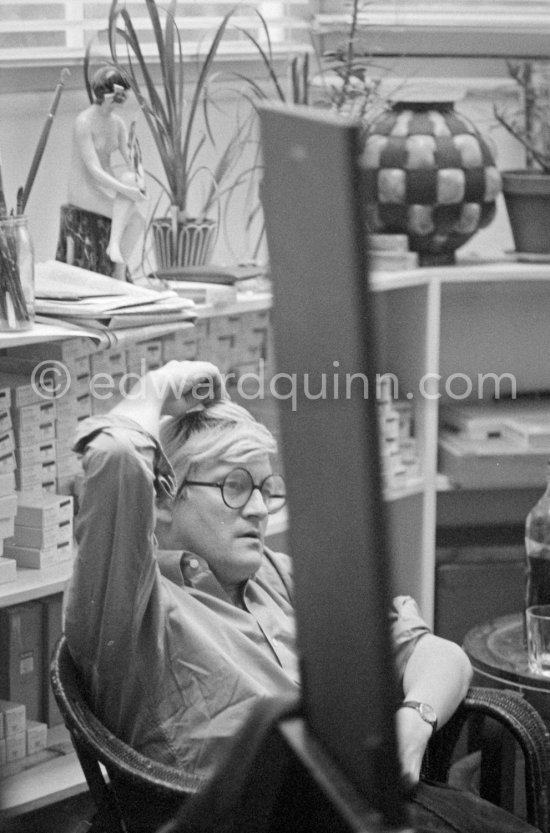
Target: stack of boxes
[
  {"x": 28, "y": 635},
  {"x": 48, "y": 420},
  {"x": 43, "y": 531},
  {"x": 235, "y": 343},
  {"x": 398, "y": 446},
  {"x": 8, "y": 496},
  {"x": 19, "y": 737}
]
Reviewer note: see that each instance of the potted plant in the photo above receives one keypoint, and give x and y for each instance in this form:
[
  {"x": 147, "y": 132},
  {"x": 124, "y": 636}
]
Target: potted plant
[
  {"x": 173, "y": 108},
  {"x": 527, "y": 190}
]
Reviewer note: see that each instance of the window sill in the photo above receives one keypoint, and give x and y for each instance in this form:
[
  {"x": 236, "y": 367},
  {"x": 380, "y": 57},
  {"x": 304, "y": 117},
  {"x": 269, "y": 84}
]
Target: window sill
[{"x": 42, "y": 74}]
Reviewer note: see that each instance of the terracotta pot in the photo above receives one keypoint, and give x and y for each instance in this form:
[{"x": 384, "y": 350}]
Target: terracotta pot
[
  {"x": 429, "y": 174},
  {"x": 193, "y": 244},
  {"x": 527, "y": 197}
]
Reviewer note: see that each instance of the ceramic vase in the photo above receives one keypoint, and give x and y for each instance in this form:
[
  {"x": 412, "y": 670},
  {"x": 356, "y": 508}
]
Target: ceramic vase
[{"x": 429, "y": 174}]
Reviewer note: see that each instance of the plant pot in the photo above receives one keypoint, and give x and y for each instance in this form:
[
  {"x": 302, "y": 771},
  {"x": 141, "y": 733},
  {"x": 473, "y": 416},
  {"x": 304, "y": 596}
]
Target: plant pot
[
  {"x": 527, "y": 198},
  {"x": 192, "y": 245},
  {"x": 429, "y": 174}
]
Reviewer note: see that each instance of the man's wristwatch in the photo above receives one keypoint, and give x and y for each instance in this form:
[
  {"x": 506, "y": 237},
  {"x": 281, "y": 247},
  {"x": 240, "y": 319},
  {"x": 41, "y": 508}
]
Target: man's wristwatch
[{"x": 424, "y": 710}]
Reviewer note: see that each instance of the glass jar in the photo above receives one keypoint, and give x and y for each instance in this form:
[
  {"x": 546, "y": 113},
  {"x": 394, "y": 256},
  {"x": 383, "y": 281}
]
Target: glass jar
[{"x": 16, "y": 274}]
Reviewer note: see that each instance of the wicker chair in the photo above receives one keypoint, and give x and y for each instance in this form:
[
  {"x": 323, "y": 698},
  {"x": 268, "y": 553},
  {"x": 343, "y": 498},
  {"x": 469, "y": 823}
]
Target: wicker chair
[
  {"x": 140, "y": 794},
  {"x": 513, "y": 724}
]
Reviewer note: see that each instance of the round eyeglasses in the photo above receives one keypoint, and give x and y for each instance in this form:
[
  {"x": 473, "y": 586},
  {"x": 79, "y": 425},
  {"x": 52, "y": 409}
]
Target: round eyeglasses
[{"x": 237, "y": 487}]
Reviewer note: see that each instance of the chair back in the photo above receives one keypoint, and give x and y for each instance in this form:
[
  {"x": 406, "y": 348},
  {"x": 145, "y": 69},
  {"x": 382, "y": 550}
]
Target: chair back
[{"x": 139, "y": 794}]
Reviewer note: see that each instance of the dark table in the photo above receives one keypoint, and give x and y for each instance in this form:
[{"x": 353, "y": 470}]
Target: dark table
[{"x": 498, "y": 654}]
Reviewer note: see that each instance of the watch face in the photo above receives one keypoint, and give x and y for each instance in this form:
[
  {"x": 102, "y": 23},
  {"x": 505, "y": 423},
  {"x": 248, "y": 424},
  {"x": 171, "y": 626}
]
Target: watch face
[{"x": 427, "y": 713}]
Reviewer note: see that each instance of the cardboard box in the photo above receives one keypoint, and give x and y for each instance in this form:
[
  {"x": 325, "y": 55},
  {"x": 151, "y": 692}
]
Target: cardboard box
[
  {"x": 38, "y": 478},
  {"x": 37, "y": 737},
  {"x": 39, "y": 537},
  {"x": 7, "y": 483},
  {"x": 8, "y": 568},
  {"x": 39, "y": 558},
  {"x": 5, "y": 399},
  {"x": 7, "y": 441},
  {"x": 21, "y": 656},
  {"x": 68, "y": 464},
  {"x": 24, "y": 390},
  {"x": 7, "y": 462},
  {"x": 26, "y": 418},
  {"x": 43, "y": 510},
  {"x": 13, "y": 718},
  {"x": 52, "y": 628},
  {"x": 8, "y": 505},
  {"x": 5, "y": 419},
  {"x": 7, "y": 528},
  {"x": 68, "y": 350},
  {"x": 180, "y": 346},
  {"x": 16, "y": 747},
  {"x": 33, "y": 455},
  {"x": 66, "y": 484},
  {"x": 110, "y": 362}
]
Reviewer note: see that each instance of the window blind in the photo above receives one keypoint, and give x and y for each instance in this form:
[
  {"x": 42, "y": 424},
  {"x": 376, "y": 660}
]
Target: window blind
[
  {"x": 50, "y": 30},
  {"x": 477, "y": 27},
  {"x": 470, "y": 13}
]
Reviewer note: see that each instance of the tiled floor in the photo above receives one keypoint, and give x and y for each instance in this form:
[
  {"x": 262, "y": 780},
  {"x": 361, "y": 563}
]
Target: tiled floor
[{"x": 70, "y": 816}]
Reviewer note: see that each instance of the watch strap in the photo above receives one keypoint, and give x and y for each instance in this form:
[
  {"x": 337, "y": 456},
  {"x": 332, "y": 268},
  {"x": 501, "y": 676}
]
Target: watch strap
[{"x": 425, "y": 711}]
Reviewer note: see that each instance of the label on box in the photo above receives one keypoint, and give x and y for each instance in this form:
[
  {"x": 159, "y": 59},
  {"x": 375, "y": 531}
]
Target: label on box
[{"x": 26, "y": 663}]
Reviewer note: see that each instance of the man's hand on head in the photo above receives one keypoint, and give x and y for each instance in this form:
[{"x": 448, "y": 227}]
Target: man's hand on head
[
  {"x": 182, "y": 386},
  {"x": 172, "y": 389}
]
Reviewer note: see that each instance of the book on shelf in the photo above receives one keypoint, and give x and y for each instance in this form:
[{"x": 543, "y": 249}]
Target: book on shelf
[
  {"x": 211, "y": 273},
  {"x": 21, "y": 659}
]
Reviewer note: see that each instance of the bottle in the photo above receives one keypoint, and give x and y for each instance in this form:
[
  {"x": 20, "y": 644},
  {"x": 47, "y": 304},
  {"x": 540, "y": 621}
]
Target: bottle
[{"x": 537, "y": 549}]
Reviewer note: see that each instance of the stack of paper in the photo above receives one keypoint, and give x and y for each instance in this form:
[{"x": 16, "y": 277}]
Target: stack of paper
[{"x": 89, "y": 299}]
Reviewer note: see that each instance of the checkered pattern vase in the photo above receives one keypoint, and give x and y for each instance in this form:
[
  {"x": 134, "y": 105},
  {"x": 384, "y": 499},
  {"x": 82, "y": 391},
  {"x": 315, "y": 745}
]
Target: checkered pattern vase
[{"x": 430, "y": 175}]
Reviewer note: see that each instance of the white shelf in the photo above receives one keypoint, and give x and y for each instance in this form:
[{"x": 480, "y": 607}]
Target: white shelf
[
  {"x": 35, "y": 584},
  {"x": 37, "y": 785}
]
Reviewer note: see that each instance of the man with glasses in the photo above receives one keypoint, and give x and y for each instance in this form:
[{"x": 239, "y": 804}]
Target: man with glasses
[{"x": 175, "y": 668}]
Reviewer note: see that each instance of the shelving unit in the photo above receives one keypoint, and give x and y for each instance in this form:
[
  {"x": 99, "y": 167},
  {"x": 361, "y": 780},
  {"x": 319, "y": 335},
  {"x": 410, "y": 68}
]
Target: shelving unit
[
  {"x": 56, "y": 776},
  {"x": 433, "y": 322}
]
